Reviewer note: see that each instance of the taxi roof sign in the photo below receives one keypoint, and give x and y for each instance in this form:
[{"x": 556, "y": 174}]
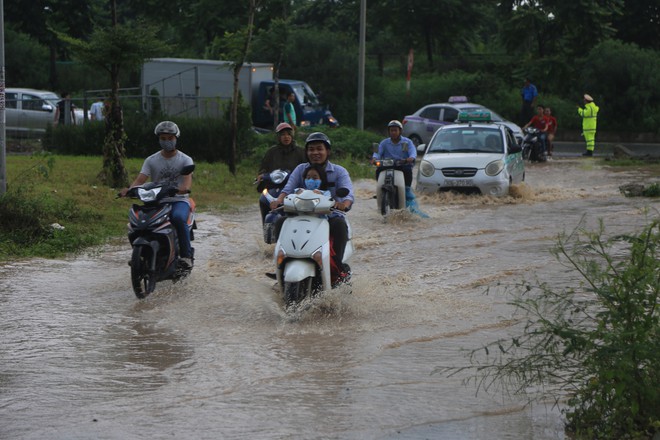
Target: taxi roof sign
[
  {"x": 474, "y": 116},
  {"x": 457, "y": 99}
]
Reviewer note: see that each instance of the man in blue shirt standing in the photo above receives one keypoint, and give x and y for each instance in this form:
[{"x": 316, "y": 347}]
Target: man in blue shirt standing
[
  {"x": 529, "y": 94},
  {"x": 399, "y": 148}
]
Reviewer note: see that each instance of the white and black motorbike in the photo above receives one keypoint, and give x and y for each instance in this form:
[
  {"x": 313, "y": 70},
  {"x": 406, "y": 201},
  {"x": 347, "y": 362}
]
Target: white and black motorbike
[
  {"x": 303, "y": 250},
  {"x": 391, "y": 187},
  {"x": 153, "y": 238},
  {"x": 532, "y": 145}
]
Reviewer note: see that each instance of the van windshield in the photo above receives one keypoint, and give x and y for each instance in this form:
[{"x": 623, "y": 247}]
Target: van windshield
[{"x": 305, "y": 94}]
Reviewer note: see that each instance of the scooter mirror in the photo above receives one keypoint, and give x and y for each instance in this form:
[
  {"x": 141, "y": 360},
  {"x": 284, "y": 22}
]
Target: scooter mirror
[
  {"x": 188, "y": 169},
  {"x": 342, "y": 192}
]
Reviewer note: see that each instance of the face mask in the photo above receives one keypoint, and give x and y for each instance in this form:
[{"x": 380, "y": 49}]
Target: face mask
[
  {"x": 312, "y": 184},
  {"x": 168, "y": 145}
]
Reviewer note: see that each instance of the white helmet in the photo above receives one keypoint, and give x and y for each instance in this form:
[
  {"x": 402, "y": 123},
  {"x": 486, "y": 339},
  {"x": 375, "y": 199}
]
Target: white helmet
[
  {"x": 395, "y": 123},
  {"x": 167, "y": 127}
]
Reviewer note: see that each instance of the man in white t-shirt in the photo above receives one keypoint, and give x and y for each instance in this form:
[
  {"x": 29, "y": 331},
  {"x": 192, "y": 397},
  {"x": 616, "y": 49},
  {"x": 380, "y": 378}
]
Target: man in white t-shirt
[
  {"x": 166, "y": 166},
  {"x": 96, "y": 111}
]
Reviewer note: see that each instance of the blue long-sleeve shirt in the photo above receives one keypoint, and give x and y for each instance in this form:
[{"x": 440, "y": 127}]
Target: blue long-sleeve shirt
[
  {"x": 401, "y": 150},
  {"x": 337, "y": 176}
]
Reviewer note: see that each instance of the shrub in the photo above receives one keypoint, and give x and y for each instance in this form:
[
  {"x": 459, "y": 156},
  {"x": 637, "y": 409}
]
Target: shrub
[{"x": 597, "y": 344}]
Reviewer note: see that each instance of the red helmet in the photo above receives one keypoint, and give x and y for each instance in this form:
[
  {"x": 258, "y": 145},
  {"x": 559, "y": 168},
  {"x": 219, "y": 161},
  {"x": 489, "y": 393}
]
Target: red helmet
[{"x": 283, "y": 126}]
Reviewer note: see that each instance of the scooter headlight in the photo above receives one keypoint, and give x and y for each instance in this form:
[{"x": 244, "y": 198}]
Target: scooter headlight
[
  {"x": 306, "y": 205},
  {"x": 494, "y": 168},
  {"x": 385, "y": 163},
  {"x": 148, "y": 195}
]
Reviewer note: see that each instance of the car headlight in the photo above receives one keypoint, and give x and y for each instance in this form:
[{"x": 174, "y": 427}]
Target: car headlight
[
  {"x": 426, "y": 168},
  {"x": 494, "y": 168}
]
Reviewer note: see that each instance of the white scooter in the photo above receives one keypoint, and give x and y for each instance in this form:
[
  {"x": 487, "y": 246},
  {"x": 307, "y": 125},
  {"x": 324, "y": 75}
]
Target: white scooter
[
  {"x": 302, "y": 251},
  {"x": 391, "y": 187}
]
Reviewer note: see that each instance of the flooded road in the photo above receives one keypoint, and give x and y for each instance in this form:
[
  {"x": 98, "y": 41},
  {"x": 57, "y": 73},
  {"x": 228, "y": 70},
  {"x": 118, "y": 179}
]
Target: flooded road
[{"x": 216, "y": 357}]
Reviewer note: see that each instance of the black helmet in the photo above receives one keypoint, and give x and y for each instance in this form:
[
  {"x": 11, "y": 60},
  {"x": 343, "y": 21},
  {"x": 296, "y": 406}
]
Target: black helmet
[{"x": 317, "y": 136}]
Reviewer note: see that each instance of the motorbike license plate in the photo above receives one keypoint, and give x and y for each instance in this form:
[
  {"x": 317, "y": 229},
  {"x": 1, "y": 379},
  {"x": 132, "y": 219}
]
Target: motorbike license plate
[{"x": 459, "y": 182}]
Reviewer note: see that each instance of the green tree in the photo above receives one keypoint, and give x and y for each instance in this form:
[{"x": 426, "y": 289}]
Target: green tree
[
  {"x": 236, "y": 47},
  {"x": 120, "y": 46},
  {"x": 270, "y": 45},
  {"x": 557, "y": 25},
  {"x": 639, "y": 20},
  {"x": 443, "y": 29},
  {"x": 44, "y": 19},
  {"x": 21, "y": 52}
]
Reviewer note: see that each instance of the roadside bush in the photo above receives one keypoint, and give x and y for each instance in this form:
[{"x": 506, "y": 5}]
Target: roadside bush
[
  {"x": 28, "y": 221},
  {"x": 596, "y": 345},
  {"x": 625, "y": 82},
  {"x": 206, "y": 139}
]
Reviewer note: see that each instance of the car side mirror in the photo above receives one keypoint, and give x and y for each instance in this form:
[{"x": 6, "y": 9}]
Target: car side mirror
[
  {"x": 47, "y": 108},
  {"x": 513, "y": 149},
  {"x": 421, "y": 148}
]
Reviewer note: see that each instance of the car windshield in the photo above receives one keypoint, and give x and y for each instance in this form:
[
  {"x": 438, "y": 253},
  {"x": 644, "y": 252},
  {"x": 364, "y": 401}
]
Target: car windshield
[{"x": 467, "y": 140}]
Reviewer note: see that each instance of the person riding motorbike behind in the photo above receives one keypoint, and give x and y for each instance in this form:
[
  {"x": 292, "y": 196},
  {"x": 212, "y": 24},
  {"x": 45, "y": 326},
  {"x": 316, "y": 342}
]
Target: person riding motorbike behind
[
  {"x": 166, "y": 166},
  {"x": 540, "y": 122},
  {"x": 318, "y": 149},
  {"x": 399, "y": 148},
  {"x": 285, "y": 155}
]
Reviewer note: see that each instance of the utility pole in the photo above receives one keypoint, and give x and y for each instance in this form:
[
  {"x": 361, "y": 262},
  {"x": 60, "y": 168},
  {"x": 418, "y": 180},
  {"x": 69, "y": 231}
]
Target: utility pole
[
  {"x": 361, "y": 61},
  {"x": 3, "y": 121}
]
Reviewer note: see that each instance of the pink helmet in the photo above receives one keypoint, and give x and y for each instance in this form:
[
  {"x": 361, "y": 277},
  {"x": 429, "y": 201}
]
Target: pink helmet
[{"x": 282, "y": 126}]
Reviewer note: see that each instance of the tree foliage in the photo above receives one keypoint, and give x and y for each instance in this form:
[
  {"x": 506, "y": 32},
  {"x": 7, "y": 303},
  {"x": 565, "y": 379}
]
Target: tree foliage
[
  {"x": 113, "y": 48},
  {"x": 552, "y": 41}
]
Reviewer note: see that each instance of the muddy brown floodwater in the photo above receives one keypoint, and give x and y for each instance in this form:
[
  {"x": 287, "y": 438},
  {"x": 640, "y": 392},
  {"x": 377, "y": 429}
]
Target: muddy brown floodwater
[{"x": 216, "y": 357}]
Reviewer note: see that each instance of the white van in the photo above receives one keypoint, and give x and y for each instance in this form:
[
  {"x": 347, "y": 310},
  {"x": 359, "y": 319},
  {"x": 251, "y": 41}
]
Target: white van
[{"x": 29, "y": 111}]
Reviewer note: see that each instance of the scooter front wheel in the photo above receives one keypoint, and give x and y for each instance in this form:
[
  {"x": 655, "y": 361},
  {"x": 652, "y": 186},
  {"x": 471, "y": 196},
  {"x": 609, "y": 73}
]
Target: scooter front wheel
[
  {"x": 143, "y": 280},
  {"x": 385, "y": 202},
  {"x": 296, "y": 291}
]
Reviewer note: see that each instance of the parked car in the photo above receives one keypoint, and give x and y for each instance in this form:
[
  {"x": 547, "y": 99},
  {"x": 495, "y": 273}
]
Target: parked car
[
  {"x": 473, "y": 155},
  {"x": 29, "y": 111},
  {"x": 421, "y": 125}
]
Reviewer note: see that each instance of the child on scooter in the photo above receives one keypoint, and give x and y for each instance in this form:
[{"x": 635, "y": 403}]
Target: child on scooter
[{"x": 315, "y": 180}]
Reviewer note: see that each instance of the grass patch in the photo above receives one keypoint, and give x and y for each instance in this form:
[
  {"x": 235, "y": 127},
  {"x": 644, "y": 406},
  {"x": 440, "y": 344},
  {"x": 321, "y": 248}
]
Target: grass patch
[{"x": 45, "y": 189}]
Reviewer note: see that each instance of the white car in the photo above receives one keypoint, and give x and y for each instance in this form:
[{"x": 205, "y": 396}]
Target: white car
[
  {"x": 473, "y": 155},
  {"x": 29, "y": 111},
  {"x": 421, "y": 125}
]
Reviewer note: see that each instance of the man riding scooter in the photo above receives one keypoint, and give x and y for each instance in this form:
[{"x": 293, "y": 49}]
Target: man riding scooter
[
  {"x": 285, "y": 155},
  {"x": 318, "y": 148},
  {"x": 400, "y": 148}
]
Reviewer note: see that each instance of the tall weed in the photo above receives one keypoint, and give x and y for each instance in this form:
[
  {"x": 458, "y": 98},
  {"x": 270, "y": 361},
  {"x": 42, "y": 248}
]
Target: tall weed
[{"x": 596, "y": 346}]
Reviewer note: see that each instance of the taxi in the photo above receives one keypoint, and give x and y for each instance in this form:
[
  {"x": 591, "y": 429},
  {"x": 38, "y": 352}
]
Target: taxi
[{"x": 473, "y": 155}]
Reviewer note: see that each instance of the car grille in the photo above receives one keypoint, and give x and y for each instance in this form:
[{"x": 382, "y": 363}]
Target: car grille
[{"x": 459, "y": 172}]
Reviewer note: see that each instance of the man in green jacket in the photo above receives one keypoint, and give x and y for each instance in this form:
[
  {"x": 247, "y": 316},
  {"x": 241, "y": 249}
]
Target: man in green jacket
[{"x": 589, "y": 116}]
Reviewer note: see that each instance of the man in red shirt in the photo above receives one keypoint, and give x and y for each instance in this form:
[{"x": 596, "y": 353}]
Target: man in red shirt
[
  {"x": 540, "y": 122},
  {"x": 551, "y": 123}
]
